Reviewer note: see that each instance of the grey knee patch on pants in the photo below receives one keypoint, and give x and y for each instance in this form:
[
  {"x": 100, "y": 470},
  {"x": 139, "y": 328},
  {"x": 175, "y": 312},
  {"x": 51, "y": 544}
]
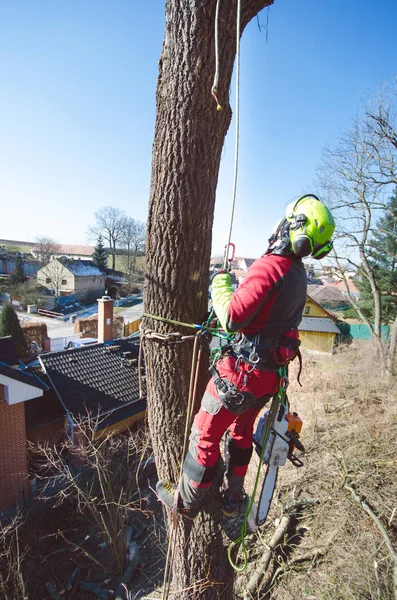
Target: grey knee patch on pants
[
  {"x": 210, "y": 404},
  {"x": 192, "y": 496},
  {"x": 196, "y": 472}
]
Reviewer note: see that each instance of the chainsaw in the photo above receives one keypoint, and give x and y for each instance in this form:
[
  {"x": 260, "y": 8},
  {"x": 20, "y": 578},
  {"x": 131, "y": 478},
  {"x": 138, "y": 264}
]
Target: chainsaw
[{"x": 275, "y": 439}]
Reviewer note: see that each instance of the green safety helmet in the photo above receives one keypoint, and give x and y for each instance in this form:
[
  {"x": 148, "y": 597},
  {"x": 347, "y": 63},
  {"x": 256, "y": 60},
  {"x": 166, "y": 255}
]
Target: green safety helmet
[{"x": 311, "y": 226}]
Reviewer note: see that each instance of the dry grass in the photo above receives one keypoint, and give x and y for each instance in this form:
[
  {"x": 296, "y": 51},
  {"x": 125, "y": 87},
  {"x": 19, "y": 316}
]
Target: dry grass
[{"x": 350, "y": 428}]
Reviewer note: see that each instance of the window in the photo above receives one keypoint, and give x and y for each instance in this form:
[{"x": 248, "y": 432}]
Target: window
[
  {"x": 64, "y": 281},
  {"x": 47, "y": 280},
  {"x": 307, "y": 310}
]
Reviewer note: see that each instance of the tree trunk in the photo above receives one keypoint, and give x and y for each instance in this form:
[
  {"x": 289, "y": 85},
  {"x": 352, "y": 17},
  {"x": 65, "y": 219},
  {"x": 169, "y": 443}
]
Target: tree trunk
[
  {"x": 391, "y": 357},
  {"x": 189, "y": 137}
]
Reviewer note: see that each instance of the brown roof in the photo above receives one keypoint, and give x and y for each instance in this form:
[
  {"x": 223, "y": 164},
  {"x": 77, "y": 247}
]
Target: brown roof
[
  {"x": 342, "y": 286},
  {"x": 69, "y": 249},
  {"x": 327, "y": 294}
]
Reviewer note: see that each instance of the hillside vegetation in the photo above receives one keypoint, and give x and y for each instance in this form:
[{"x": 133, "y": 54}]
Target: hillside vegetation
[{"x": 341, "y": 539}]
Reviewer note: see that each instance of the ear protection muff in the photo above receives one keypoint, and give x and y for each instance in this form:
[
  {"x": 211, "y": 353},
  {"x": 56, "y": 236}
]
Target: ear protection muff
[{"x": 302, "y": 243}]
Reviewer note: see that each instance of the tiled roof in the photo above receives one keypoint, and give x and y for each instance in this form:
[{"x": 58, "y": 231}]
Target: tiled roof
[
  {"x": 322, "y": 324},
  {"x": 96, "y": 379},
  {"x": 327, "y": 294},
  {"x": 81, "y": 268},
  {"x": 352, "y": 286},
  {"x": 22, "y": 376}
]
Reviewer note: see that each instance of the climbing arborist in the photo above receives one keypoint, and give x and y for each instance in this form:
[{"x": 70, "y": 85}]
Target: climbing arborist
[{"x": 266, "y": 310}]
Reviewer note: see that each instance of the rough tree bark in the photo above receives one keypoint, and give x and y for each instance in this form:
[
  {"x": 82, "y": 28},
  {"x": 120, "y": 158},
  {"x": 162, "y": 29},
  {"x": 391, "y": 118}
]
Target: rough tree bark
[{"x": 189, "y": 137}]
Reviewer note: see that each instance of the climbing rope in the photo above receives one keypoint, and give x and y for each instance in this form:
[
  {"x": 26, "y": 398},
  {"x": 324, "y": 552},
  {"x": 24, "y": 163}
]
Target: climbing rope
[
  {"x": 237, "y": 140},
  {"x": 214, "y": 90}
]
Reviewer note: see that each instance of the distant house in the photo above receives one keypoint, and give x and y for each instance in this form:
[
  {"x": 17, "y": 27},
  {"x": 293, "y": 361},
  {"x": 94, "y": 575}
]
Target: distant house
[
  {"x": 329, "y": 297},
  {"x": 318, "y": 330},
  {"x": 68, "y": 250},
  {"x": 17, "y": 387},
  {"x": 353, "y": 289},
  {"x": 8, "y": 263},
  {"x": 64, "y": 276},
  {"x": 244, "y": 263}
]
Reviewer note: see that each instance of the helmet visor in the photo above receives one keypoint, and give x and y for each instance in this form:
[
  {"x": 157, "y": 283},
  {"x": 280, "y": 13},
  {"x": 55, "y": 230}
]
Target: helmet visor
[{"x": 322, "y": 251}]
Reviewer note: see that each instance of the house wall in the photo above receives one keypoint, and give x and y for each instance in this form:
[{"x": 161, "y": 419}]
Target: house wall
[
  {"x": 55, "y": 272},
  {"x": 89, "y": 285},
  {"x": 81, "y": 286},
  {"x": 313, "y": 310},
  {"x": 14, "y": 483},
  {"x": 318, "y": 341}
]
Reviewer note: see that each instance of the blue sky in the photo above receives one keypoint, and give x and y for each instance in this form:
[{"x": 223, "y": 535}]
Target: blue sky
[{"x": 77, "y": 108}]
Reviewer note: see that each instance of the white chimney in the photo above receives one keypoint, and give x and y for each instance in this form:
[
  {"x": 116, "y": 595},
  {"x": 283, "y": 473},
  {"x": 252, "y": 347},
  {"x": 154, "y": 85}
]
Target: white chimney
[{"x": 105, "y": 319}]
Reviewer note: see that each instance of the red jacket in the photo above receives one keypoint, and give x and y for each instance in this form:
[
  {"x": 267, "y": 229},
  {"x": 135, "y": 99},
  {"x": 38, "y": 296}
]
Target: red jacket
[{"x": 269, "y": 300}]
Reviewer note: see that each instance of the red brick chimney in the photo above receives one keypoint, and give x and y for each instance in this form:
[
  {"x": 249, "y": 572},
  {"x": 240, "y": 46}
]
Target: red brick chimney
[{"x": 105, "y": 319}]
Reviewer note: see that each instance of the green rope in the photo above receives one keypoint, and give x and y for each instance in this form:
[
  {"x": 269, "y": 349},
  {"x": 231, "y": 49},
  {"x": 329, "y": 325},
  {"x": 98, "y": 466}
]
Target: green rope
[
  {"x": 278, "y": 400},
  {"x": 214, "y": 330}
]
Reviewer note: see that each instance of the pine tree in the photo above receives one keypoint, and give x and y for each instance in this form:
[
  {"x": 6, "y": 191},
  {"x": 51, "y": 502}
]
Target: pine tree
[
  {"x": 18, "y": 275},
  {"x": 100, "y": 255},
  {"x": 9, "y": 325},
  {"x": 383, "y": 257}
]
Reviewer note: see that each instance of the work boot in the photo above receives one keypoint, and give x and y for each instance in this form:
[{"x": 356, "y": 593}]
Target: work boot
[
  {"x": 232, "y": 502},
  {"x": 166, "y": 493}
]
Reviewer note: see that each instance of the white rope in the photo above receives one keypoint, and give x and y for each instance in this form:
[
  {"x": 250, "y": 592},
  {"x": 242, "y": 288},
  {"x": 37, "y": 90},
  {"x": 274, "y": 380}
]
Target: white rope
[
  {"x": 214, "y": 90},
  {"x": 237, "y": 132}
]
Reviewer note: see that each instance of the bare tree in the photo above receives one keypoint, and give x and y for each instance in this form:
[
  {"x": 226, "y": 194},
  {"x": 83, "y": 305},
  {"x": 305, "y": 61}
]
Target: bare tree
[
  {"x": 380, "y": 127},
  {"x": 52, "y": 275},
  {"x": 189, "y": 137},
  {"x": 109, "y": 223},
  {"x": 356, "y": 175},
  {"x": 133, "y": 241},
  {"x": 45, "y": 248}
]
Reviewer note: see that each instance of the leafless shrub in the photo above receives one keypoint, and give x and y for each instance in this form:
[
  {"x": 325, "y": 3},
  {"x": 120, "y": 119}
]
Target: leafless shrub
[
  {"x": 12, "y": 584},
  {"x": 99, "y": 476}
]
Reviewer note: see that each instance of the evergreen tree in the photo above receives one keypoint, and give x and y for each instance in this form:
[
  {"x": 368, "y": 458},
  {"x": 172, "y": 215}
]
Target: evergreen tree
[
  {"x": 18, "y": 275},
  {"x": 100, "y": 255},
  {"x": 9, "y": 325},
  {"x": 383, "y": 257}
]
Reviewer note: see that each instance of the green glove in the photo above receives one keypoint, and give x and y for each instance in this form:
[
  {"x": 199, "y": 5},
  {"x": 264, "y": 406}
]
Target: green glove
[{"x": 222, "y": 291}]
